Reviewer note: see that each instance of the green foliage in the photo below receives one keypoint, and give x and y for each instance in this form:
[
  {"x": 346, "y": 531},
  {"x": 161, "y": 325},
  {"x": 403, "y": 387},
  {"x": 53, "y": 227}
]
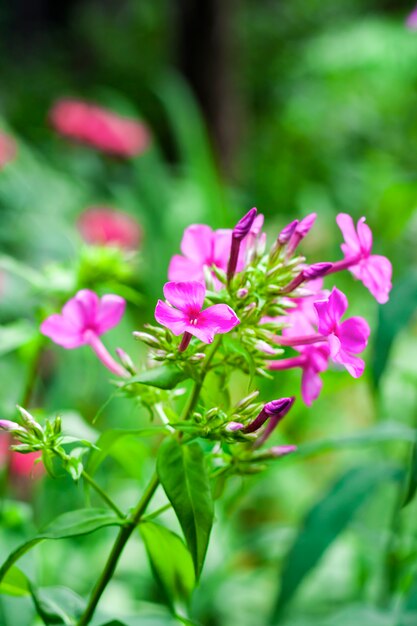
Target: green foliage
[
  {"x": 183, "y": 474},
  {"x": 171, "y": 562}
]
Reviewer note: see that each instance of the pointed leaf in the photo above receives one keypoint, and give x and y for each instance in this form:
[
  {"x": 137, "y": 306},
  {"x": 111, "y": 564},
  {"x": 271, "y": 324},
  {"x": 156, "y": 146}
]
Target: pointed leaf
[
  {"x": 324, "y": 523},
  {"x": 171, "y": 563},
  {"x": 164, "y": 377},
  {"x": 15, "y": 583},
  {"x": 72, "y": 524},
  {"x": 183, "y": 474}
]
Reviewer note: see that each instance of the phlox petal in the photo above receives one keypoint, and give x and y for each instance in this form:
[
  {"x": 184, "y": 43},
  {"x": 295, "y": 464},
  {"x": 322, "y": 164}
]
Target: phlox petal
[
  {"x": 186, "y": 296},
  {"x": 197, "y": 243},
  {"x": 180, "y": 268},
  {"x": 218, "y": 318},
  {"x": 110, "y": 312},
  {"x": 353, "y": 334},
  {"x": 354, "y": 365},
  {"x": 346, "y": 225},
  {"x": 62, "y": 331},
  {"x": 171, "y": 318},
  {"x": 365, "y": 236},
  {"x": 311, "y": 385}
]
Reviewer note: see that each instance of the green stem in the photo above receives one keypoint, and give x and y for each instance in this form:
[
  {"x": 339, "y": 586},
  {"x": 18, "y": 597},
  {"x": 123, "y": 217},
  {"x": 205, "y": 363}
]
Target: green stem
[
  {"x": 90, "y": 480},
  {"x": 195, "y": 394},
  {"x": 122, "y": 538},
  {"x": 157, "y": 513}
]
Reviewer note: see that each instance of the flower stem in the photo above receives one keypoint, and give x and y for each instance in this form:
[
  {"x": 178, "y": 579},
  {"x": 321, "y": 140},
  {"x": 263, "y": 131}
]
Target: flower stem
[
  {"x": 193, "y": 399},
  {"x": 121, "y": 540},
  {"x": 105, "y": 357},
  {"x": 90, "y": 480}
]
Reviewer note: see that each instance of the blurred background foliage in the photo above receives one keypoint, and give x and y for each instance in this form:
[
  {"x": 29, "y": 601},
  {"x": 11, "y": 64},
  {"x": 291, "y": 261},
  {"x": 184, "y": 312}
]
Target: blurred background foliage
[{"x": 292, "y": 106}]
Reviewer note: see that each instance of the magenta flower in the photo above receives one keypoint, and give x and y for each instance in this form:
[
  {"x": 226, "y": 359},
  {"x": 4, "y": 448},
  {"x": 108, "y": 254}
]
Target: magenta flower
[
  {"x": 99, "y": 128},
  {"x": 183, "y": 314},
  {"x": 103, "y": 226},
  {"x": 372, "y": 269},
  {"x": 346, "y": 339},
  {"x": 201, "y": 247},
  {"x": 313, "y": 360},
  {"x": 83, "y": 319}
]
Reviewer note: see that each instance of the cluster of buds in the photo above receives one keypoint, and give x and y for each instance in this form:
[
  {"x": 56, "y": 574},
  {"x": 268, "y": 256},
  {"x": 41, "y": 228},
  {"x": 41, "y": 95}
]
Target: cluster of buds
[{"x": 47, "y": 439}]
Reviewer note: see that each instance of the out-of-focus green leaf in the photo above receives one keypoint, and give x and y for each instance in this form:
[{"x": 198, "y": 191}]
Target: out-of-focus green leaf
[
  {"x": 113, "y": 436},
  {"x": 384, "y": 431},
  {"x": 15, "y": 583},
  {"x": 393, "y": 317},
  {"x": 58, "y": 605},
  {"x": 15, "y": 335},
  {"x": 23, "y": 271},
  {"x": 324, "y": 523},
  {"x": 183, "y": 474},
  {"x": 164, "y": 377},
  {"x": 171, "y": 563},
  {"x": 72, "y": 524}
]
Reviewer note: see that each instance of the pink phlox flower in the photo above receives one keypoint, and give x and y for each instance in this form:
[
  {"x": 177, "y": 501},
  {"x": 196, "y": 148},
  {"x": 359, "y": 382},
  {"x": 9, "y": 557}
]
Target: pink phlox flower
[
  {"x": 83, "y": 319},
  {"x": 106, "y": 227},
  {"x": 202, "y": 247},
  {"x": 8, "y": 149},
  {"x": 347, "y": 338},
  {"x": 83, "y": 315},
  {"x": 373, "y": 270},
  {"x": 20, "y": 464},
  {"x": 411, "y": 21},
  {"x": 100, "y": 128},
  {"x": 183, "y": 312},
  {"x": 315, "y": 359}
]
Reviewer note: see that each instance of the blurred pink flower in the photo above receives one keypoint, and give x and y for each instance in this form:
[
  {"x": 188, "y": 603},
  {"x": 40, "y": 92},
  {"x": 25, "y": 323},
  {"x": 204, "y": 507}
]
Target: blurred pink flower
[
  {"x": 411, "y": 21},
  {"x": 184, "y": 314},
  {"x": 8, "y": 149},
  {"x": 372, "y": 269},
  {"x": 99, "y": 128},
  {"x": 201, "y": 247},
  {"x": 107, "y": 227},
  {"x": 83, "y": 319},
  {"x": 346, "y": 339},
  {"x": 22, "y": 465}
]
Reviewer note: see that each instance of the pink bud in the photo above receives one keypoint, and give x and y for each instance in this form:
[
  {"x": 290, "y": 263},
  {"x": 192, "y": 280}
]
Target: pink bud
[{"x": 234, "y": 426}]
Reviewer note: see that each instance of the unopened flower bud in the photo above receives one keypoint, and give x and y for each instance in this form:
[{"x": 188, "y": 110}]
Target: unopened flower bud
[
  {"x": 147, "y": 338},
  {"x": 126, "y": 361},
  {"x": 247, "y": 400},
  {"x": 239, "y": 232},
  {"x": 244, "y": 225},
  {"x": 9, "y": 426},
  {"x": 58, "y": 425},
  {"x": 287, "y": 232},
  {"x": 264, "y": 347},
  {"x": 278, "y": 451},
  {"x": 317, "y": 270},
  {"x": 301, "y": 230},
  {"x": 30, "y": 422},
  {"x": 234, "y": 426},
  {"x": 242, "y": 293},
  {"x": 273, "y": 411}
]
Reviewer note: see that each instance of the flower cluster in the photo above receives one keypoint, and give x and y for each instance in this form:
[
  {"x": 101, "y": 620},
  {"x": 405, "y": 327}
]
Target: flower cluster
[{"x": 266, "y": 303}]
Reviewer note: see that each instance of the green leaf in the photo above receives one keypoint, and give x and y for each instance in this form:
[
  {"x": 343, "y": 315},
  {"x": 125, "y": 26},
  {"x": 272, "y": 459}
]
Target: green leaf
[
  {"x": 385, "y": 431},
  {"x": 72, "y": 524},
  {"x": 110, "y": 438},
  {"x": 324, "y": 523},
  {"x": 15, "y": 335},
  {"x": 58, "y": 605},
  {"x": 15, "y": 583},
  {"x": 164, "y": 377},
  {"x": 171, "y": 563},
  {"x": 183, "y": 475},
  {"x": 393, "y": 317}
]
